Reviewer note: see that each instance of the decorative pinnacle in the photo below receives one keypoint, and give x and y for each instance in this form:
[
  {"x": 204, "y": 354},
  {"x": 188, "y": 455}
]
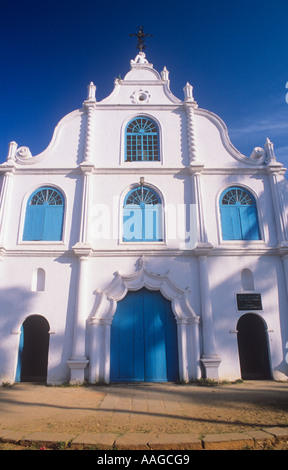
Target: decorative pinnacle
[{"x": 140, "y": 38}]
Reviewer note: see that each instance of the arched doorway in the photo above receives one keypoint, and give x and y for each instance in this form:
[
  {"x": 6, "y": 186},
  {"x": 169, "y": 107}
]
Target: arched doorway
[
  {"x": 144, "y": 339},
  {"x": 253, "y": 348},
  {"x": 33, "y": 350}
]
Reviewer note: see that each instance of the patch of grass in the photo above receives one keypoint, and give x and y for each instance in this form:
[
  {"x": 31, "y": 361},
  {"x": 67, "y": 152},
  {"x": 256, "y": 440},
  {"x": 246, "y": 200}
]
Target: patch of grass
[{"x": 214, "y": 383}]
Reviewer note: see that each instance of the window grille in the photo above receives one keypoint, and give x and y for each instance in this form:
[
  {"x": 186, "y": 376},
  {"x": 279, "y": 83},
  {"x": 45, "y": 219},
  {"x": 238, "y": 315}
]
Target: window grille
[
  {"x": 44, "y": 216},
  {"x": 239, "y": 218},
  {"x": 46, "y": 196},
  {"x": 142, "y": 140},
  {"x": 237, "y": 196},
  {"x": 142, "y": 216},
  {"x": 142, "y": 195}
]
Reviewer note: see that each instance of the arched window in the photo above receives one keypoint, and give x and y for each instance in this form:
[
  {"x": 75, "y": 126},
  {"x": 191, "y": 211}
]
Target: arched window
[
  {"x": 238, "y": 215},
  {"x": 44, "y": 215},
  {"x": 142, "y": 215},
  {"x": 38, "y": 280},
  {"x": 247, "y": 279},
  {"x": 141, "y": 140}
]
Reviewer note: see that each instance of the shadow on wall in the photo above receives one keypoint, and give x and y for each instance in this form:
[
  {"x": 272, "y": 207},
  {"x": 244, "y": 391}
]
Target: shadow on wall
[
  {"x": 263, "y": 274},
  {"x": 27, "y": 343}
]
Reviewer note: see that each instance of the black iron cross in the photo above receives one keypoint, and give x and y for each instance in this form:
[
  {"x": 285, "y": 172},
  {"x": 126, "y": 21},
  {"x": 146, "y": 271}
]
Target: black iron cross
[{"x": 141, "y": 36}]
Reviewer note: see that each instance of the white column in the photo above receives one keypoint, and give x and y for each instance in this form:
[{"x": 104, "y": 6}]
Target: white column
[
  {"x": 188, "y": 348},
  {"x": 209, "y": 357},
  {"x": 84, "y": 235},
  {"x": 5, "y": 200},
  {"x": 99, "y": 368},
  {"x": 279, "y": 217},
  {"x": 90, "y": 106},
  {"x": 197, "y": 187},
  {"x": 190, "y": 105},
  {"x": 278, "y": 207},
  {"x": 78, "y": 361},
  {"x": 11, "y": 157}
]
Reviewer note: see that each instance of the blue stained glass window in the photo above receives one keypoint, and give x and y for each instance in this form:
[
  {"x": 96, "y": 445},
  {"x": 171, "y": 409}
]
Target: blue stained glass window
[
  {"x": 141, "y": 140},
  {"x": 142, "y": 216},
  {"x": 239, "y": 217},
  {"x": 44, "y": 215}
]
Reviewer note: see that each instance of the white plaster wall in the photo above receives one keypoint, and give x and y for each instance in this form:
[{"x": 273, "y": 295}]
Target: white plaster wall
[
  {"x": 56, "y": 303},
  {"x": 23, "y": 186},
  {"x": 107, "y": 196},
  {"x": 110, "y": 181},
  {"x": 212, "y": 187},
  {"x": 110, "y": 137},
  {"x": 67, "y": 144},
  {"x": 225, "y": 282}
]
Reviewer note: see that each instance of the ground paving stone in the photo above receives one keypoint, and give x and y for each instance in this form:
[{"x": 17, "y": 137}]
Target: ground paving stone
[
  {"x": 261, "y": 438},
  {"x": 175, "y": 442},
  {"x": 149, "y": 410},
  {"x": 11, "y": 436},
  {"x": 147, "y": 441},
  {"x": 278, "y": 433},
  {"x": 228, "y": 441},
  {"x": 47, "y": 439},
  {"x": 133, "y": 441},
  {"x": 94, "y": 440}
]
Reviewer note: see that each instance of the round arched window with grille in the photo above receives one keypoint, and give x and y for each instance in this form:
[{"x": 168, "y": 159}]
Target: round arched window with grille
[
  {"x": 47, "y": 196},
  {"x": 142, "y": 215},
  {"x": 237, "y": 196},
  {"x": 141, "y": 140},
  {"x": 239, "y": 218},
  {"x": 44, "y": 215}
]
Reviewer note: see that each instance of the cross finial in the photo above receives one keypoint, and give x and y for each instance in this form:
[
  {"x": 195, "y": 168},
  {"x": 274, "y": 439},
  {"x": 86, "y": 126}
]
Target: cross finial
[{"x": 140, "y": 38}]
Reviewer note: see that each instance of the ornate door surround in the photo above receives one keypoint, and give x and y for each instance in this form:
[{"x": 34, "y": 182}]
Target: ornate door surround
[{"x": 101, "y": 319}]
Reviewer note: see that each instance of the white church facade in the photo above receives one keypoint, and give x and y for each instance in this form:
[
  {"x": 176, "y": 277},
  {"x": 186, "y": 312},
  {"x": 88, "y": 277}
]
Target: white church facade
[{"x": 142, "y": 246}]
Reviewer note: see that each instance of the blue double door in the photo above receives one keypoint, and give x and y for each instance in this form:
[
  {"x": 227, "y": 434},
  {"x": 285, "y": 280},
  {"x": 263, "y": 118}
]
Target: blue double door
[{"x": 144, "y": 339}]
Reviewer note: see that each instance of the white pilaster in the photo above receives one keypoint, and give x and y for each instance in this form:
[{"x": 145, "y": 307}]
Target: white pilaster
[
  {"x": 99, "y": 367},
  {"x": 89, "y": 106},
  {"x": 11, "y": 157},
  {"x": 188, "y": 348},
  {"x": 190, "y": 105},
  {"x": 277, "y": 206},
  {"x": 84, "y": 234},
  {"x": 78, "y": 361},
  {"x": 198, "y": 200},
  {"x": 210, "y": 358},
  {"x": 5, "y": 202}
]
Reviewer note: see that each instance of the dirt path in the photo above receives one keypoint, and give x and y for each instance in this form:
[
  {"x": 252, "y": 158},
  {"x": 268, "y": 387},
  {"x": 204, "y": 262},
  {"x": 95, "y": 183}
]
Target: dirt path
[{"x": 162, "y": 408}]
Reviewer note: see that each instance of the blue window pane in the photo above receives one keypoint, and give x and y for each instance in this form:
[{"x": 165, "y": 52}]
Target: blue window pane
[
  {"x": 239, "y": 218},
  {"x": 33, "y": 229},
  {"x": 142, "y": 216},
  {"x": 141, "y": 140},
  {"x": 44, "y": 216}
]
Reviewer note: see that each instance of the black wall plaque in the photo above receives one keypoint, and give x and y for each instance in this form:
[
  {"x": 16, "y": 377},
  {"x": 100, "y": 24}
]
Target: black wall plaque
[{"x": 249, "y": 301}]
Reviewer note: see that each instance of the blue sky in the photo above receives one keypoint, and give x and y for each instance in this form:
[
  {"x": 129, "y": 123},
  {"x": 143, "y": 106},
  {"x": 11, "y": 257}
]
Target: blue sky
[{"x": 234, "y": 53}]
